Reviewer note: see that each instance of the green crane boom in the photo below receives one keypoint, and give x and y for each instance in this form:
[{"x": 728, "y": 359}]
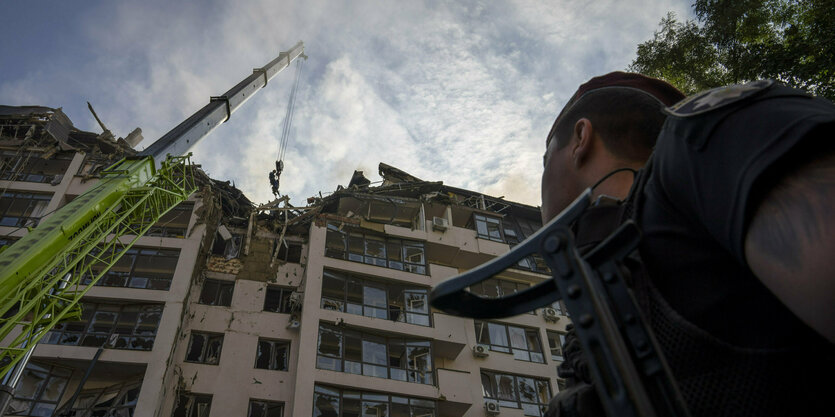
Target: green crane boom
[{"x": 44, "y": 275}]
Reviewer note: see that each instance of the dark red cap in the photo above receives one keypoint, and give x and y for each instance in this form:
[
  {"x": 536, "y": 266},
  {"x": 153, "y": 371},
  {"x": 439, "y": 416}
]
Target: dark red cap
[{"x": 661, "y": 90}]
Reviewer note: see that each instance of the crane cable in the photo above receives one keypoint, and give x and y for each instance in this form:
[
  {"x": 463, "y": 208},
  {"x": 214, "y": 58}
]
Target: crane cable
[
  {"x": 288, "y": 118},
  {"x": 285, "y": 131}
]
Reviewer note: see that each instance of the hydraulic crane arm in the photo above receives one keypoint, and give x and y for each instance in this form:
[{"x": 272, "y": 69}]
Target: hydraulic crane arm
[
  {"x": 181, "y": 138},
  {"x": 42, "y": 275}
]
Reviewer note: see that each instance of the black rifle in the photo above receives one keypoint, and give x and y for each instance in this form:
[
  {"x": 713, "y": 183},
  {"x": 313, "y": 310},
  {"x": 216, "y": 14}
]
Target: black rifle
[{"x": 630, "y": 373}]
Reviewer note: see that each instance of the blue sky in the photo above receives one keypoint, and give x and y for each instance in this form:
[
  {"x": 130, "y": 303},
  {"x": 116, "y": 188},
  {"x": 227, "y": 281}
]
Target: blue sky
[{"x": 458, "y": 91}]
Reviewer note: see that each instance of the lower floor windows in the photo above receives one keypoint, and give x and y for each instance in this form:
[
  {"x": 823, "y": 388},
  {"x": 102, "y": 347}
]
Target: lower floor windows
[
  {"x": 515, "y": 391},
  {"x": 556, "y": 341},
  {"x": 262, "y": 408},
  {"x": 114, "y": 400},
  {"x": 130, "y": 326},
  {"x": 354, "y": 352},
  {"x": 192, "y": 405},
  {"x": 335, "y": 402},
  {"x": 39, "y": 391}
]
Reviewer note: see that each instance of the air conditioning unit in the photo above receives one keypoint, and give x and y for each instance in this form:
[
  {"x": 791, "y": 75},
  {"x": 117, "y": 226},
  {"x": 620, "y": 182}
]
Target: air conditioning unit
[
  {"x": 294, "y": 324},
  {"x": 481, "y": 351},
  {"x": 440, "y": 223},
  {"x": 550, "y": 314},
  {"x": 492, "y": 407}
]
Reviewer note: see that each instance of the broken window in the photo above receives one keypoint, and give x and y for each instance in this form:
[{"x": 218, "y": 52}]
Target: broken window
[
  {"x": 355, "y": 295},
  {"x": 32, "y": 167},
  {"x": 556, "y": 341},
  {"x": 228, "y": 248},
  {"x": 115, "y": 400},
  {"x": 19, "y": 209},
  {"x": 337, "y": 402},
  {"x": 272, "y": 354},
  {"x": 39, "y": 390},
  {"x": 488, "y": 227},
  {"x": 523, "y": 343},
  {"x": 404, "y": 255},
  {"x": 262, "y": 408},
  {"x": 350, "y": 351},
  {"x": 174, "y": 223},
  {"x": 217, "y": 292},
  {"x": 292, "y": 254},
  {"x": 277, "y": 299},
  {"x": 192, "y": 405},
  {"x": 558, "y": 306},
  {"x": 515, "y": 391},
  {"x": 131, "y": 326},
  {"x": 145, "y": 268},
  {"x": 204, "y": 348}
]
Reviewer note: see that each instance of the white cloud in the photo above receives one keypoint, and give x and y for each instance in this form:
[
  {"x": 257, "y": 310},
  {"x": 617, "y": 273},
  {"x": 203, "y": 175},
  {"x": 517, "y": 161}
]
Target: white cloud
[{"x": 461, "y": 92}]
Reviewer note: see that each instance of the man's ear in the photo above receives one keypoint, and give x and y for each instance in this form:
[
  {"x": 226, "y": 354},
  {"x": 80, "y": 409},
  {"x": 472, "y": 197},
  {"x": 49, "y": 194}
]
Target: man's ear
[{"x": 581, "y": 141}]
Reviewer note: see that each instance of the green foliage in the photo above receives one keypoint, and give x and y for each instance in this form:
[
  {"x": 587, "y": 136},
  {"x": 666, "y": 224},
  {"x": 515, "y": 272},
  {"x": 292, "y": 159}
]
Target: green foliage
[{"x": 791, "y": 41}]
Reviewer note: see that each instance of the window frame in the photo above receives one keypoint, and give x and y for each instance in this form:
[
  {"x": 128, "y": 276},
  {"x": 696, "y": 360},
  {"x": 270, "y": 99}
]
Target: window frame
[
  {"x": 143, "y": 332},
  {"x": 191, "y": 400},
  {"x": 517, "y": 352},
  {"x": 344, "y": 243},
  {"x": 125, "y": 269},
  {"x": 365, "y": 363},
  {"x": 283, "y": 299},
  {"x": 31, "y": 215},
  {"x": 556, "y": 352},
  {"x": 50, "y": 371},
  {"x": 120, "y": 401},
  {"x": 204, "y": 349},
  {"x": 220, "y": 285},
  {"x": 517, "y": 402},
  {"x": 394, "y": 309},
  {"x": 29, "y": 173},
  {"x": 163, "y": 228},
  {"x": 481, "y": 218},
  {"x": 412, "y": 405},
  {"x": 267, "y": 404},
  {"x": 274, "y": 345}
]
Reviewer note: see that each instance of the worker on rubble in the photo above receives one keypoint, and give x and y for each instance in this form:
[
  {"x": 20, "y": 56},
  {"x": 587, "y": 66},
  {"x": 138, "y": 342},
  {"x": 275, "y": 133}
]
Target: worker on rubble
[{"x": 736, "y": 208}]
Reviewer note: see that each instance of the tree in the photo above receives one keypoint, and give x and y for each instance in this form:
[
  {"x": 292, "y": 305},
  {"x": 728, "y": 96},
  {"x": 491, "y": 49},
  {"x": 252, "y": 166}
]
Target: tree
[{"x": 742, "y": 40}]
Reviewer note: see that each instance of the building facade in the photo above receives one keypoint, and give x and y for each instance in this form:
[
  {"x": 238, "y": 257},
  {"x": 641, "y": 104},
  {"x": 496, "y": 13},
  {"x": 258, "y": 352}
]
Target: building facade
[{"x": 226, "y": 309}]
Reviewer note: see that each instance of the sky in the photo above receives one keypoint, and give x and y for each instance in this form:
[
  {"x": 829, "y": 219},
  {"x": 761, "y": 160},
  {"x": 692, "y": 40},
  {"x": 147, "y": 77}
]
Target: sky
[{"x": 462, "y": 92}]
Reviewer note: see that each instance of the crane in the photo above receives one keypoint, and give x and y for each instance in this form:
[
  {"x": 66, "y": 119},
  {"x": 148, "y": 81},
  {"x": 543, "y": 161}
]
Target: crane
[{"x": 41, "y": 274}]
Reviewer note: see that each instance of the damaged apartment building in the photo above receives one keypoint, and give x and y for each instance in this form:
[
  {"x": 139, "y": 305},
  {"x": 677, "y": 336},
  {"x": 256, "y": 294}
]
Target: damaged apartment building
[{"x": 225, "y": 308}]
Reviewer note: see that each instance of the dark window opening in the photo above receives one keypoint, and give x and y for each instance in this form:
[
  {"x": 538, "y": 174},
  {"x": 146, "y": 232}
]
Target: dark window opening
[
  {"x": 174, "y": 223},
  {"x": 144, "y": 268},
  {"x": 272, "y": 354},
  {"x": 192, "y": 405},
  {"x": 293, "y": 254},
  {"x": 277, "y": 300},
  {"x": 262, "y": 408},
  {"x": 19, "y": 209},
  {"x": 115, "y": 400},
  {"x": 227, "y": 248},
  {"x": 217, "y": 292},
  {"x": 204, "y": 348},
  {"x": 30, "y": 166},
  {"x": 129, "y": 326},
  {"x": 39, "y": 390}
]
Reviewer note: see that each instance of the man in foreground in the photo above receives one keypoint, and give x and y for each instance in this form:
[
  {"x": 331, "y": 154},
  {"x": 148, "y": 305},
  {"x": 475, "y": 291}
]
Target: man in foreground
[{"x": 736, "y": 208}]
